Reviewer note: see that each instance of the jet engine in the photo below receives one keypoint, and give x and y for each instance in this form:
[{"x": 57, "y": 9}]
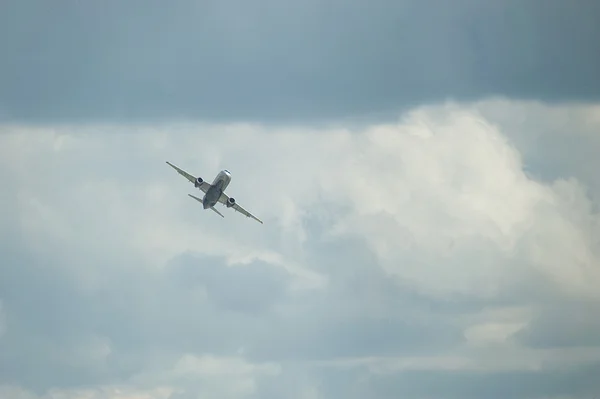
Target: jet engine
[
  {"x": 230, "y": 202},
  {"x": 198, "y": 182}
]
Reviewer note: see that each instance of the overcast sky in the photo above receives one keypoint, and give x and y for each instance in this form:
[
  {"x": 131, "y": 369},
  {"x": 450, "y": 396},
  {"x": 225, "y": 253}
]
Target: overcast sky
[
  {"x": 287, "y": 60},
  {"x": 439, "y": 237}
]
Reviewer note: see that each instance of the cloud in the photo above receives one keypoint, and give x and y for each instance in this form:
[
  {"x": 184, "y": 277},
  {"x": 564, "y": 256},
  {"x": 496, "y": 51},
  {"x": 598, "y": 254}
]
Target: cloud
[
  {"x": 298, "y": 61},
  {"x": 566, "y": 324},
  {"x": 113, "y": 392},
  {"x": 418, "y": 258}
]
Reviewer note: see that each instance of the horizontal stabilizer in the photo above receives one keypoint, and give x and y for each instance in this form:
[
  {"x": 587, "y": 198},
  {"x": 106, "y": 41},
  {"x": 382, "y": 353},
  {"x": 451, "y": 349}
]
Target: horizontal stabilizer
[
  {"x": 196, "y": 198},
  {"x": 200, "y": 200},
  {"x": 213, "y": 208}
]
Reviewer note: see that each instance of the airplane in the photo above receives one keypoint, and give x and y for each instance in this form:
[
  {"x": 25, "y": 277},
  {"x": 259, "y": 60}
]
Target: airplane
[{"x": 214, "y": 192}]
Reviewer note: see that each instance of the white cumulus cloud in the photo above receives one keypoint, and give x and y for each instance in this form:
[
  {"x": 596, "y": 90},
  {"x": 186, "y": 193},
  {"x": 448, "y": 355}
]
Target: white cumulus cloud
[{"x": 439, "y": 242}]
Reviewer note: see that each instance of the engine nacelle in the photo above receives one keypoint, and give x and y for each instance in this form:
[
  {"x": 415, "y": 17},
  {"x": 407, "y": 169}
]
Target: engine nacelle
[
  {"x": 230, "y": 202},
  {"x": 198, "y": 182}
]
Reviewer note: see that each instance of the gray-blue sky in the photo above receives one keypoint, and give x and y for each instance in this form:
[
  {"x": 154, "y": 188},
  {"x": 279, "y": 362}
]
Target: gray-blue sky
[{"x": 294, "y": 61}]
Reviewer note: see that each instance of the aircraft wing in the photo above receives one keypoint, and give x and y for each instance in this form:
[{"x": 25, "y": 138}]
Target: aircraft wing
[
  {"x": 224, "y": 198},
  {"x": 204, "y": 186}
]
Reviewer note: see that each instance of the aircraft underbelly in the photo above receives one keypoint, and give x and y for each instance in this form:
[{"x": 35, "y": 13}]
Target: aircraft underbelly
[
  {"x": 212, "y": 195},
  {"x": 214, "y": 192}
]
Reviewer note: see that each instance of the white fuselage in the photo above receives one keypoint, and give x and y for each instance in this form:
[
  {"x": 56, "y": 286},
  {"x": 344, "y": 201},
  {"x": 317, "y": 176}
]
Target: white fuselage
[{"x": 218, "y": 185}]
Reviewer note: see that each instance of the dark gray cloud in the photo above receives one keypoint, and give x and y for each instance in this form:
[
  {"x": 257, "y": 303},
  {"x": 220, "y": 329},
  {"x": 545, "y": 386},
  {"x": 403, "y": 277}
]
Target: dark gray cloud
[
  {"x": 144, "y": 315},
  {"x": 357, "y": 382},
  {"x": 576, "y": 383},
  {"x": 565, "y": 323},
  {"x": 252, "y": 288},
  {"x": 272, "y": 60}
]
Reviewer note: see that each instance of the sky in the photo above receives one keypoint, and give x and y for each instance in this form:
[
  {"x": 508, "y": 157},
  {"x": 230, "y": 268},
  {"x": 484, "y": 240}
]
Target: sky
[
  {"x": 287, "y": 61},
  {"x": 426, "y": 174}
]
